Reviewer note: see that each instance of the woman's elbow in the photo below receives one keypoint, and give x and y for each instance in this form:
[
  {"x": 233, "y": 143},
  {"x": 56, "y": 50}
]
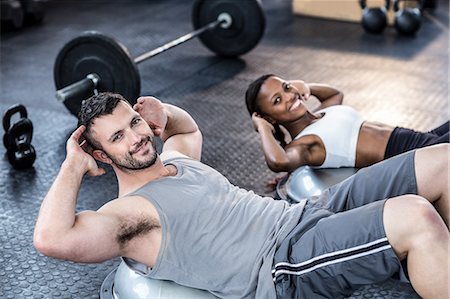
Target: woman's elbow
[
  {"x": 277, "y": 166},
  {"x": 339, "y": 98}
]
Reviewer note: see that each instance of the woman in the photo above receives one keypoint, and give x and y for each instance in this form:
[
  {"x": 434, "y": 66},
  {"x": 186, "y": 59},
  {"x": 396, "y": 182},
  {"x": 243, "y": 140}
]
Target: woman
[{"x": 334, "y": 136}]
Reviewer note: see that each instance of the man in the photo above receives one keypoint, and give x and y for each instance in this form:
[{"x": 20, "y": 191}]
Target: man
[{"x": 178, "y": 219}]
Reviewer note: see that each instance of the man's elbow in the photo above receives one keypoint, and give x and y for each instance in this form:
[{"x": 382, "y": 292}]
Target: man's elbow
[
  {"x": 48, "y": 245},
  {"x": 42, "y": 243}
]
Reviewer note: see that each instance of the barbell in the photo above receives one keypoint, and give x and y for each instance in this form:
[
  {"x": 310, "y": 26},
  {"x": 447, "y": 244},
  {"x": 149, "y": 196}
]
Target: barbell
[{"x": 94, "y": 62}]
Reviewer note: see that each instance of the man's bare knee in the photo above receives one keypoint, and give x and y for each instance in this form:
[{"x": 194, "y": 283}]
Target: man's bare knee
[
  {"x": 434, "y": 154},
  {"x": 428, "y": 220},
  {"x": 431, "y": 168},
  {"x": 409, "y": 219}
]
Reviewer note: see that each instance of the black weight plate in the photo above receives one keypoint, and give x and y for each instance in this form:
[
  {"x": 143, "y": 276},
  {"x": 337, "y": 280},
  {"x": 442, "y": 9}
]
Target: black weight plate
[
  {"x": 243, "y": 35},
  {"x": 93, "y": 52}
]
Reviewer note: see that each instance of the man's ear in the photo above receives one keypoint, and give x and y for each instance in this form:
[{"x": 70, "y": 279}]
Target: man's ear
[{"x": 101, "y": 156}]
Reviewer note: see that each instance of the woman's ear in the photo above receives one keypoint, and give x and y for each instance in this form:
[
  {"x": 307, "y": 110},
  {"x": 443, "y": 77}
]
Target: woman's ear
[
  {"x": 269, "y": 119},
  {"x": 101, "y": 156}
]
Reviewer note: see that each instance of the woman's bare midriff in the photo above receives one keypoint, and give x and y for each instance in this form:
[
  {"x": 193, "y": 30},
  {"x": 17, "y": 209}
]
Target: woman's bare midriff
[{"x": 372, "y": 141}]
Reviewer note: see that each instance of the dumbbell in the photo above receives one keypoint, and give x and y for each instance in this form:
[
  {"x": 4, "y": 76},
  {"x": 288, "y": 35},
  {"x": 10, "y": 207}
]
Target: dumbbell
[
  {"x": 94, "y": 62},
  {"x": 17, "y": 138}
]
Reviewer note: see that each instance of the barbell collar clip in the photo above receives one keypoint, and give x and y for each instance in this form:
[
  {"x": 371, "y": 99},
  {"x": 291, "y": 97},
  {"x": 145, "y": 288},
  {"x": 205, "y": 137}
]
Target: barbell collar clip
[{"x": 84, "y": 86}]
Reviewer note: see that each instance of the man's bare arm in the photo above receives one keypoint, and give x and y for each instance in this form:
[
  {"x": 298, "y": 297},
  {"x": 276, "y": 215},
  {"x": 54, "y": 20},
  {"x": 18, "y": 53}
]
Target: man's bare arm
[
  {"x": 175, "y": 126},
  {"x": 59, "y": 232}
]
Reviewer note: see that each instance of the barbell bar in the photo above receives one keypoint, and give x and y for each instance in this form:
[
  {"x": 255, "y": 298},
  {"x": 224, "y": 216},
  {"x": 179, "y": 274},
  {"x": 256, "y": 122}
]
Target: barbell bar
[
  {"x": 93, "y": 62},
  {"x": 90, "y": 83}
]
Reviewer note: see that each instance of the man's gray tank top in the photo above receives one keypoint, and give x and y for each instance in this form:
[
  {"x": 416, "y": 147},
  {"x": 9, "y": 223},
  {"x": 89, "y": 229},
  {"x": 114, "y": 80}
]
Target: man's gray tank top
[{"x": 215, "y": 236}]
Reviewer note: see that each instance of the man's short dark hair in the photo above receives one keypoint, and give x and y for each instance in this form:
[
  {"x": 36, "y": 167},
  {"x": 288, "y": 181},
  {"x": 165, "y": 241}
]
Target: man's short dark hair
[{"x": 101, "y": 104}]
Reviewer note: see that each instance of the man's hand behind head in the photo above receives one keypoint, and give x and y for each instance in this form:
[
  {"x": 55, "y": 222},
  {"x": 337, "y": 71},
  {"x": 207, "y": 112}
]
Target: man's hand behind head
[
  {"x": 152, "y": 111},
  {"x": 79, "y": 154}
]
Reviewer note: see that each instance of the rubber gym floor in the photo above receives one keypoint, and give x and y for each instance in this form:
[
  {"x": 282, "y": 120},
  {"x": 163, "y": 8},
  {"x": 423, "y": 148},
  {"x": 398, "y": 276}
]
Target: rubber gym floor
[{"x": 389, "y": 78}]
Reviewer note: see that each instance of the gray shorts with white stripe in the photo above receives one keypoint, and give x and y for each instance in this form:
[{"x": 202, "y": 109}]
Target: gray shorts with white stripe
[{"x": 340, "y": 242}]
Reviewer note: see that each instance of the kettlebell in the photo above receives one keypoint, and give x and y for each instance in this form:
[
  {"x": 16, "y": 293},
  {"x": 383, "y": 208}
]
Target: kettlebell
[
  {"x": 17, "y": 138},
  {"x": 409, "y": 19},
  {"x": 374, "y": 19}
]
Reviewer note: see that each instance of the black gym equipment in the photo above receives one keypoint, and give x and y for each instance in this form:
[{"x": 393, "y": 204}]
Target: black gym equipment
[
  {"x": 17, "y": 138},
  {"x": 34, "y": 10},
  {"x": 408, "y": 19},
  {"x": 374, "y": 19},
  {"x": 235, "y": 36},
  {"x": 15, "y": 13},
  {"x": 11, "y": 13},
  {"x": 430, "y": 4},
  {"x": 94, "y": 62},
  {"x": 101, "y": 63}
]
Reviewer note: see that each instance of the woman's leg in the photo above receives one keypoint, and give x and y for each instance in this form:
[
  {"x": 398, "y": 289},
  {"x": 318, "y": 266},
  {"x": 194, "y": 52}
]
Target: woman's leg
[
  {"x": 403, "y": 140},
  {"x": 441, "y": 130}
]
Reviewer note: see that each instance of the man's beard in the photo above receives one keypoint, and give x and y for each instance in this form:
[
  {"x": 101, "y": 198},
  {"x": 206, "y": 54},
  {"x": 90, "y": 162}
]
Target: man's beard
[{"x": 127, "y": 162}]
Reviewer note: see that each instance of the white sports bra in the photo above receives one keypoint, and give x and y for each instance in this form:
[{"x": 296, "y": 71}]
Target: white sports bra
[{"x": 339, "y": 131}]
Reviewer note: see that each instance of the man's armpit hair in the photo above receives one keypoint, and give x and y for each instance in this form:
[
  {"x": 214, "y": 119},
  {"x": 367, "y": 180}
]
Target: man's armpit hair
[{"x": 131, "y": 228}]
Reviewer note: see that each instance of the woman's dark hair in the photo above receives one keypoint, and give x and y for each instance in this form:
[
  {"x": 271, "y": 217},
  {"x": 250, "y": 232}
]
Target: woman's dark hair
[
  {"x": 101, "y": 104},
  {"x": 251, "y": 96},
  {"x": 252, "y": 92}
]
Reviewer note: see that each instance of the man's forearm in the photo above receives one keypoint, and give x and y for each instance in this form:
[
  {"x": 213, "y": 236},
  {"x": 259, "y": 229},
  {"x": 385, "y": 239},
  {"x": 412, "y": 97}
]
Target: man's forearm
[{"x": 178, "y": 122}]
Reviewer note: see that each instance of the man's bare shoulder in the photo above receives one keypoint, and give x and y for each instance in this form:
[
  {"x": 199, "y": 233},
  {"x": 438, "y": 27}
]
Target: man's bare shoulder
[
  {"x": 127, "y": 205},
  {"x": 170, "y": 154}
]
